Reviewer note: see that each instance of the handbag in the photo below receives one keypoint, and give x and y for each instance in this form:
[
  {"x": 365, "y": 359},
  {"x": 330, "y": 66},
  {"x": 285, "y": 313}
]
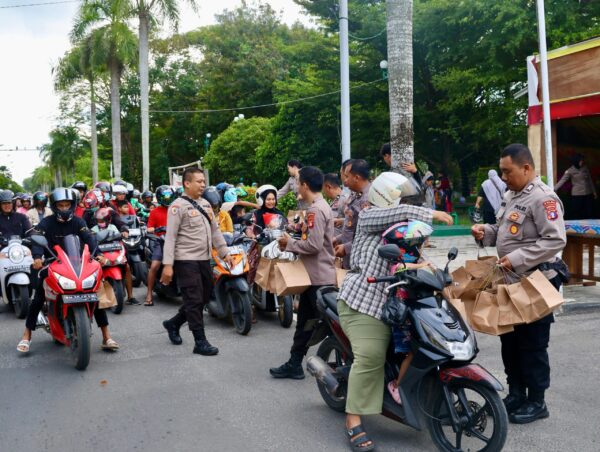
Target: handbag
[{"x": 394, "y": 312}]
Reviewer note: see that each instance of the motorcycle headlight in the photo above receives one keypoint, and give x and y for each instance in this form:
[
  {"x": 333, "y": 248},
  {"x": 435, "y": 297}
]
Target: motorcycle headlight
[
  {"x": 90, "y": 281},
  {"x": 463, "y": 351},
  {"x": 435, "y": 338},
  {"x": 16, "y": 254},
  {"x": 66, "y": 283}
]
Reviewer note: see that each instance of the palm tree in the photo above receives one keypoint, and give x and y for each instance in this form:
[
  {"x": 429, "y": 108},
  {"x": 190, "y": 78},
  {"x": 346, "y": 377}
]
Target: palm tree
[
  {"x": 400, "y": 79},
  {"x": 149, "y": 12},
  {"x": 77, "y": 65},
  {"x": 114, "y": 45},
  {"x": 60, "y": 154}
]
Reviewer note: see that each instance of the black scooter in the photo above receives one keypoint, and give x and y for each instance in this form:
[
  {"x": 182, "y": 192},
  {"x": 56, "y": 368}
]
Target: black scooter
[
  {"x": 457, "y": 400},
  {"x": 134, "y": 246}
]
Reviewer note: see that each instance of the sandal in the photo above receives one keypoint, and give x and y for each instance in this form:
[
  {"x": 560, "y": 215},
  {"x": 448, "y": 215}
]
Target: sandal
[
  {"x": 358, "y": 439},
  {"x": 23, "y": 346},
  {"x": 394, "y": 392},
  {"x": 110, "y": 344},
  {"x": 149, "y": 303}
]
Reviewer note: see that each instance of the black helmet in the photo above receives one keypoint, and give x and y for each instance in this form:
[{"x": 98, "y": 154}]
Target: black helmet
[
  {"x": 40, "y": 197},
  {"x": 80, "y": 185},
  {"x": 120, "y": 182},
  {"x": 63, "y": 194},
  {"x": 103, "y": 186},
  {"x": 6, "y": 196},
  {"x": 147, "y": 194},
  {"x": 77, "y": 194},
  {"x": 211, "y": 194},
  {"x": 164, "y": 195},
  {"x": 26, "y": 197}
]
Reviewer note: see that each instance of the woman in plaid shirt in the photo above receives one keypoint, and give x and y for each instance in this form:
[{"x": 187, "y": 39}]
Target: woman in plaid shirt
[{"x": 360, "y": 303}]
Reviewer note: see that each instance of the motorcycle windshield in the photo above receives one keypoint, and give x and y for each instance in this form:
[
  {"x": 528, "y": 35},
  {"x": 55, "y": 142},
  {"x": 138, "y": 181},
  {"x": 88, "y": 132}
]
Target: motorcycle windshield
[{"x": 72, "y": 248}]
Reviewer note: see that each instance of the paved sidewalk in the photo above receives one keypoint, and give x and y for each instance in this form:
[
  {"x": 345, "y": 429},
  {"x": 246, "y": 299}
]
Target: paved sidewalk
[{"x": 576, "y": 297}]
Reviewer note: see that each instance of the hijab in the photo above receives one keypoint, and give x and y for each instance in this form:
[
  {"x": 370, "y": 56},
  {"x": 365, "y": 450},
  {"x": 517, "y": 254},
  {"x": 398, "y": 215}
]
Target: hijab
[
  {"x": 264, "y": 215},
  {"x": 494, "y": 189}
]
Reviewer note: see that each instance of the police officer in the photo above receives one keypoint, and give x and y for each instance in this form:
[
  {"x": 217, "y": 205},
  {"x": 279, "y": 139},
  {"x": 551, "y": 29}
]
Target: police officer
[
  {"x": 529, "y": 234},
  {"x": 192, "y": 231},
  {"x": 357, "y": 173},
  {"x": 291, "y": 185},
  {"x": 316, "y": 252},
  {"x": 11, "y": 222},
  {"x": 583, "y": 189},
  {"x": 332, "y": 188}
]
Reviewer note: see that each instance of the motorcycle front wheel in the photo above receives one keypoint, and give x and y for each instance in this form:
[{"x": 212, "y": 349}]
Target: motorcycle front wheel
[
  {"x": 20, "y": 300},
  {"x": 334, "y": 356},
  {"x": 117, "y": 286},
  {"x": 81, "y": 345},
  {"x": 483, "y": 419},
  {"x": 139, "y": 272},
  {"x": 241, "y": 311},
  {"x": 286, "y": 310}
]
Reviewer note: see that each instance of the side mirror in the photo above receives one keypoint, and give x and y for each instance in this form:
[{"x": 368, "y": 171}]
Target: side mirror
[
  {"x": 452, "y": 253},
  {"x": 39, "y": 240},
  {"x": 390, "y": 252}
]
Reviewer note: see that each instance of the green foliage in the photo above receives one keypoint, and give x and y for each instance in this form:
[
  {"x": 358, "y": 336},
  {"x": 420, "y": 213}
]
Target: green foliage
[
  {"x": 6, "y": 182},
  {"x": 287, "y": 203},
  {"x": 481, "y": 177},
  {"x": 233, "y": 154}
]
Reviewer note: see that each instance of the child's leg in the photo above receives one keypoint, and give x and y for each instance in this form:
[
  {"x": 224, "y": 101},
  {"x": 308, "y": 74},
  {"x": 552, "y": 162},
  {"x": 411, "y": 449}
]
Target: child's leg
[{"x": 404, "y": 367}]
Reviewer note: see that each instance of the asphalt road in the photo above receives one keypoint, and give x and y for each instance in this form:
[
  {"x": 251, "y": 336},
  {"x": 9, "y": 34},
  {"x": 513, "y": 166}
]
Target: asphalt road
[{"x": 154, "y": 396}]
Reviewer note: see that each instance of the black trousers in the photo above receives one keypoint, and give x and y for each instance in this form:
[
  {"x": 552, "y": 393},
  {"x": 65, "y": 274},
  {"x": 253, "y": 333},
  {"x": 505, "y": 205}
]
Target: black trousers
[
  {"x": 38, "y": 302},
  {"x": 307, "y": 310},
  {"x": 525, "y": 353},
  {"x": 582, "y": 207},
  {"x": 195, "y": 281}
]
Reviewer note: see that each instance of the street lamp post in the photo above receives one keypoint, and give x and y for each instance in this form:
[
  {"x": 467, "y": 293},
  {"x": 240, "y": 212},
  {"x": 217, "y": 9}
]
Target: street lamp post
[
  {"x": 206, "y": 143},
  {"x": 383, "y": 65}
]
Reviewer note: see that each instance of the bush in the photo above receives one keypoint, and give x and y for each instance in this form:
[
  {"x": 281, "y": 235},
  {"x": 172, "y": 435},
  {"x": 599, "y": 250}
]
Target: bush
[{"x": 287, "y": 203}]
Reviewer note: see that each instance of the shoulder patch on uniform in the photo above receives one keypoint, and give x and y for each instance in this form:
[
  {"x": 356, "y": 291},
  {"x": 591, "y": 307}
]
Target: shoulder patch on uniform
[
  {"x": 173, "y": 210},
  {"x": 514, "y": 216},
  {"x": 310, "y": 220},
  {"x": 529, "y": 187},
  {"x": 551, "y": 211},
  {"x": 514, "y": 229}
]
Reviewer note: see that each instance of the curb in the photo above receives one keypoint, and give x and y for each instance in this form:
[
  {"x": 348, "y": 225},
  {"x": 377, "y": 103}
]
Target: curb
[{"x": 579, "y": 306}]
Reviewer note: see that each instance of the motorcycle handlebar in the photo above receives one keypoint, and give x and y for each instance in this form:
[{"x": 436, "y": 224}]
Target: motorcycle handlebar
[{"x": 382, "y": 279}]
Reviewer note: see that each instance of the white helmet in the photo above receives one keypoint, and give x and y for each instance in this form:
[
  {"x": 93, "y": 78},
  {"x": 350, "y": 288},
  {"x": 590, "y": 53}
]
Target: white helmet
[
  {"x": 389, "y": 188},
  {"x": 261, "y": 190},
  {"x": 119, "y": 189}
]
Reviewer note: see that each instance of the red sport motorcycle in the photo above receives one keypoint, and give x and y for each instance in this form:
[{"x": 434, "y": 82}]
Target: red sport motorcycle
[
  {"x": 70, "y": 296},
  {"x": 112, "y": 248}
]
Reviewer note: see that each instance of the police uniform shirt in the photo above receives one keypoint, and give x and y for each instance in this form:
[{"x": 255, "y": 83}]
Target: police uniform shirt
[
  {"x": 354, "y": 205},
  {"x": 190, "y": 236},
  {"x": 316, "y": 251},
  {"x": 530, "y": 228}
]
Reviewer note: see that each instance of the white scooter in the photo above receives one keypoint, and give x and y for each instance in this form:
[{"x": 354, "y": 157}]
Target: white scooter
[{"x": 15, "y": 269}]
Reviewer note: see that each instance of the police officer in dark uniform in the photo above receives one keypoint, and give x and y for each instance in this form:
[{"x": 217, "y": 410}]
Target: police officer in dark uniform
[{"x": 529, "y": 234}]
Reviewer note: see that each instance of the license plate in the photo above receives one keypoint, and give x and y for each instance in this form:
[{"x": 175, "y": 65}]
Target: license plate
[
  {"x": 134, "y": 232},
  {"x": 17, "y": 268},
  {"x": 80, "y": 298},
  {"x": 109, "y": 246},
  {"x": 235, "y": 250}
]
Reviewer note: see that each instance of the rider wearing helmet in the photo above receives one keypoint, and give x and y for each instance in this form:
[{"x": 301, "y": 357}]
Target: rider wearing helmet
[
  {"x": 211, "y": 194},
  {"x": 25, "y": 203},
  {"x": 105, "y": 189},
  {"x": 120, "y": 194},
  {"x": 40, "y": 208},
  {"x": 103, "y": 220},
  {"x": 94, "y": 200},
  {"x": 11, "y": 222},
  {"x": 266, "y": 198},
  {"x": 165, "y": 195},
  {"x": 81, "y": 188},
  {"x": 360, "y": 303},
  {"x": 54, "y": 228}
]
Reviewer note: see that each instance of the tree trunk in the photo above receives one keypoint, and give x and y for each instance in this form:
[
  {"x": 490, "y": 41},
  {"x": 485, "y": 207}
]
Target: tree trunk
[
  {"x": 143, "y": 38},
  {"x": 400, "y": 80},
  {"x": 115, "y": 107},
  {"x": 94, "y": 138}
]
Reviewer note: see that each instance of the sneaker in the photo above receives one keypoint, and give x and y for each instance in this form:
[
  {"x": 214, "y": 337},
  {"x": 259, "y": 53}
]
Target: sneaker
[
  {"x": 133, "y": 301},
  {"x": 288, "y": 370},
  {"x": 529, "y": 412}
]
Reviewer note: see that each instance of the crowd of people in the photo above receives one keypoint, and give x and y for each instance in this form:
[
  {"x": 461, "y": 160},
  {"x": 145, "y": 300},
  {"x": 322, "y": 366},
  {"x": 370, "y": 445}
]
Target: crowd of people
[{"x": 346, "y": 215}]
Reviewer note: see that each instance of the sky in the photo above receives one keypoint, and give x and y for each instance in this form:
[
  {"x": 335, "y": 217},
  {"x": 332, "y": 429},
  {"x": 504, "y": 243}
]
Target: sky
[{"x": 32, "y": 40}]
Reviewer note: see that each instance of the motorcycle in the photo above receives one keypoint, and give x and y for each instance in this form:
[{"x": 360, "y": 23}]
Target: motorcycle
[
  {"x": 15, "y": 270},
  {"x": 134, "y": 247},
  {"x": 456, "y": 399},
  {"x": 112, "y": 248},
  {"x": 168, "y": 291},
  {"x": 231, "y": 294},
  {"x": 70, "y": 296}
]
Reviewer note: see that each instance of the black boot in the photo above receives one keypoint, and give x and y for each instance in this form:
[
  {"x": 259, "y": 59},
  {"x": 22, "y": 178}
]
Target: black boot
[
  {"x": 533, "y": 409},
  {"x": 515, "y": 398},
  {"x": 202, "y": 346},
  {"x": 172, "y": 326},
  {"x": 291, "y": 369}
]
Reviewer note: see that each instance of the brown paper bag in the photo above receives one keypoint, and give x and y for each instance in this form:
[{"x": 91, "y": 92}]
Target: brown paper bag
[
  {"x": 485, "y": 315},
  {"x": 509, "y": 314},
  {"x": 338, "y": 263},
  {"x": 534, "y": 297},
  {"x": 292, "y": 214},
  {"x": 106, "y": 296},
  {"x": 291, "y": 278},
  {"x": 482, "y": 267},
  {"x": 460, "y": 307},
  {"x": 460, "y": 279},
  {"x": 340, "y": 274},
  {"x": 265, "y": 274}
]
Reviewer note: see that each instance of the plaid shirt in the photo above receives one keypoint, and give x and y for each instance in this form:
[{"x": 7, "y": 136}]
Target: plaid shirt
[{"x": 364, "y": 262}]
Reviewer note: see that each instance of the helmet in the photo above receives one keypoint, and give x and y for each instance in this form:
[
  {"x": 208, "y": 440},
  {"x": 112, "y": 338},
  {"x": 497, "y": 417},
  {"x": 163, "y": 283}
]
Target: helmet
[
  {"x": 77, "y": 195},
  {"x": 120, "y": 182},
  {"x": 40, "y": 197},
  {"x": 6, "y": 196},
  {"x": 230, "y": 195},
  {"x": 410, "y": 237},
  {"x": 119, "y": 190},
  {"x": 79, "y": 185},
  {"x": 148, "y": 194},
  {"x": 240, "y": 191},
  {"x": 92, "y": 199},
  {"x": 105, "y": 189},
  {"x": 103, "y": 217},
  {"x": 476, "y": 217},
  {"x": 136, "y": 194},
  {"x": 389, "y": 188},
  {"x": 178, "y": 191},
  {"x": 262, "y": 192},
  {"x": 26, "y": 197},
  {"x": 212, "y": 196},
  {"x": 63, "y": 194},
  {"x": 164, "y": 195},
  {"x": 129, "y": 190}
]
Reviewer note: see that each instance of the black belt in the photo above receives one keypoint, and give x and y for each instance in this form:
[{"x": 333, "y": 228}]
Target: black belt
[{"x": 558, "y": 266}]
